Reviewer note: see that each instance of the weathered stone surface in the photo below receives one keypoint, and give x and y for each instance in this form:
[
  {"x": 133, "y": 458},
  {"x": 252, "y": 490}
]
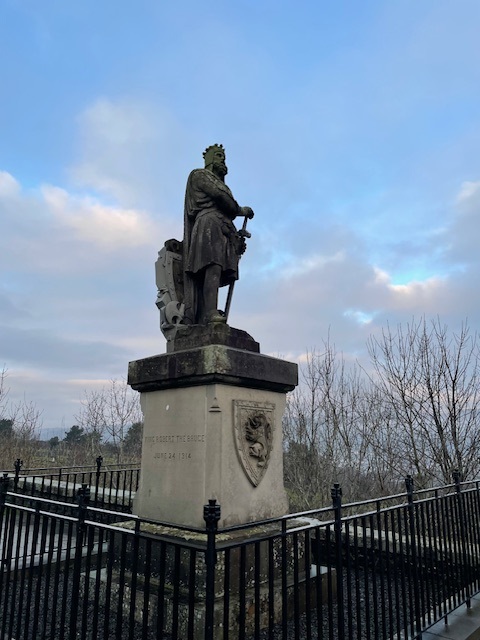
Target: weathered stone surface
[
  {"x": 190, "y": 455},
  {"x": 212, "y": 429},
  {"x": 193, "y": 336},
  {"x": 213, "y": 364}
]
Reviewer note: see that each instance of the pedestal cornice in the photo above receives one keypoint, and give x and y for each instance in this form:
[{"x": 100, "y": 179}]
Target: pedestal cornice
[{"x": 212, "y": 364}]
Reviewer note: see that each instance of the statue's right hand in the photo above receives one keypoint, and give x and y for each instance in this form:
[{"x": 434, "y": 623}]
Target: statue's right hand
[{"x": 241, "y": 245}]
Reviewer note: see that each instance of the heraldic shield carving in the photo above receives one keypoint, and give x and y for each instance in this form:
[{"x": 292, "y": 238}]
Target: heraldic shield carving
[
  {"x": 169, "y": 277},
  {"x": 253, "y": 426}
]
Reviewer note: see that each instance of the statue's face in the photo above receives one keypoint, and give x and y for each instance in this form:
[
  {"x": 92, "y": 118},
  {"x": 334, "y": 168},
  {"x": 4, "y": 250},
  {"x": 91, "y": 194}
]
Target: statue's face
[{"x": 219, "y": 167}]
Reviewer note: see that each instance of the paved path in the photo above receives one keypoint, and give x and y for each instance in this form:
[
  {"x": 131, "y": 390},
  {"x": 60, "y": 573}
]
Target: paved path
[{"x": 463, "y": 624}]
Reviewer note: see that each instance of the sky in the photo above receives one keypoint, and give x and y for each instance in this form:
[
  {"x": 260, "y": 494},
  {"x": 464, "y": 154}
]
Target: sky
[{"x": 351, "y": 128}]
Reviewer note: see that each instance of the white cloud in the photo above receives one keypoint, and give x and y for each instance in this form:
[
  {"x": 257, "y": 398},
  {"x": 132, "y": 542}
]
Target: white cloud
[
  {"x": 118, "y": 124},
  {"x": 111, "y": 135},
  {"x": 420, "y": 297},
  {"x": 468, "y": 191},
  {"x": 359, "y": 316},
  {"x": 134, "y": 152},
  {"x": 381, "y": 276},
  {"x": 76, "y": 276},
  {"x": 410, "y": 295},
  {"x": 461, "y": 237},
  {"x": 8, "y": 185},
  {"x": 311, "y": 263},
  {"x": 106, "y": 226}
]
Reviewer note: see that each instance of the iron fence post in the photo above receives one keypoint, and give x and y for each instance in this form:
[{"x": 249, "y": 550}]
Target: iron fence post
[
  {"x": 99, "y": 461},
  {"x": 18, "y": 464},
  {"x": 83, "y": 497},
  {"x": 4, "y": 482},
  {"x": 337, "y": 510},
  {"x": 416, "y": 627},
  {"x": 457, "y": 479},
  {"x": 211, "y": 515},
  {"x": 6, "y": 531}
]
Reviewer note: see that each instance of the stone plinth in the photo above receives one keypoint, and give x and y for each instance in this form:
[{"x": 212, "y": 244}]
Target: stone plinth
[
  {"x": 197, "y": 335},
  {"x": 200, "y": 408}
]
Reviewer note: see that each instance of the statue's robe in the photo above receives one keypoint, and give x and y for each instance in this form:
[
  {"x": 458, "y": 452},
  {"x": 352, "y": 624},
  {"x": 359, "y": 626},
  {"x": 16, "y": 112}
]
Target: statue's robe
[{"x": 209, "y": 234}]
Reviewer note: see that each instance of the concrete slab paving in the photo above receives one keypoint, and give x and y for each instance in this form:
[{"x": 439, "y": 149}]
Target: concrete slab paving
[{"x": 463, "y": 624}]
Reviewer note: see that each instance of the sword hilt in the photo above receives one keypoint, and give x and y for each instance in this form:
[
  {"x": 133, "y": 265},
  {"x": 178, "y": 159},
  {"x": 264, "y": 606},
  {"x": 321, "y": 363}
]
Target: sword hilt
[{"x": 243, "y": 233}]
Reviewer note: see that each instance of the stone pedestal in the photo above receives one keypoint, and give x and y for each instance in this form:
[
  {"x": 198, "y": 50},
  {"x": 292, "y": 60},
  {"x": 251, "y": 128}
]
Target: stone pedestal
[{"x": 212, "y": 429}]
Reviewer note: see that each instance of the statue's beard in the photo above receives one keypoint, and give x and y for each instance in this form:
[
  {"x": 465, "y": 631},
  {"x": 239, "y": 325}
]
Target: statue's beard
[{"x": 220, "y": 168}]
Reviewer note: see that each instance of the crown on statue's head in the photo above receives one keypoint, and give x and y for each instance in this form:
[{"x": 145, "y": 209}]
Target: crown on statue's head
[{"x": 210, "y": 152}]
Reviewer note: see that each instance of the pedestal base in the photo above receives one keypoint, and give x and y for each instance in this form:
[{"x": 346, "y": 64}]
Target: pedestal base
[{"x": 261, "y": 577}]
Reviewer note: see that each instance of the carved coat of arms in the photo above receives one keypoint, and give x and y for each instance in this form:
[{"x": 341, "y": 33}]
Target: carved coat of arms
[{"x": 253, "y": 431}]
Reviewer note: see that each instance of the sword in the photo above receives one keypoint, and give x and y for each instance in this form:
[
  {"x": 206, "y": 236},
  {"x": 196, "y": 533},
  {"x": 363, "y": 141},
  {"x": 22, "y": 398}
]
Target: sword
[{"x": 244, "y": 234}]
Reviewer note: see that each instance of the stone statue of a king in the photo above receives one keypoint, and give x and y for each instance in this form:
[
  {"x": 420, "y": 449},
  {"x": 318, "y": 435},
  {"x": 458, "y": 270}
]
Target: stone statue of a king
[
  {"x": 190, "y": 273},
  {"x": 212, "y": 245}
]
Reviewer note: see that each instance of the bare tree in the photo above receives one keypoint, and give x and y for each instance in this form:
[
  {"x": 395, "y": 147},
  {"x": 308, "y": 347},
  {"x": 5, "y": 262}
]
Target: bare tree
[
  {"x": 92, "y": 420},
  {"x": 109, "y": 413},
  {"x": 416, "y": 413},
  {"x": 430, "y": 378},
  {"x": 22, "y": 423},
  {"x": 327, "y": 431},
  {"x": 133, "y": 441},
  {"x": 3, "y": 392},
  {"x": 383, "y": 469}
]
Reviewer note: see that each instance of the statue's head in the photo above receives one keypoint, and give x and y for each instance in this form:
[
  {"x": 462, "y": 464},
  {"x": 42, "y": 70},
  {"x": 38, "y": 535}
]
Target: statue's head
[{"x": 215, "y": 160}]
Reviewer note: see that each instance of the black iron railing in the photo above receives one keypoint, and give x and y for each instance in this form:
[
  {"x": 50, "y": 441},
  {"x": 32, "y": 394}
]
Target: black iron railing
[
  {"x": 112, "y": 486},
  {"x": 386, "y": 568}
]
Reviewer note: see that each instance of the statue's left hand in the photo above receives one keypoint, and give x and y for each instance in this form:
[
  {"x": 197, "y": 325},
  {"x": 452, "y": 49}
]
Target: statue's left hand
[{"x": 247, "y": 212}]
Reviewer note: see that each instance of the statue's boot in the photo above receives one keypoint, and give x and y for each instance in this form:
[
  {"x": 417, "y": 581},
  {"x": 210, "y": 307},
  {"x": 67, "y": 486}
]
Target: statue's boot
[{"x": 216, "y": 316}]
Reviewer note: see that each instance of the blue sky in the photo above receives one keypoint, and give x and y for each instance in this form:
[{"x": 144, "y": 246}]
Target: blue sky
[{"x": 351, "y": 128}]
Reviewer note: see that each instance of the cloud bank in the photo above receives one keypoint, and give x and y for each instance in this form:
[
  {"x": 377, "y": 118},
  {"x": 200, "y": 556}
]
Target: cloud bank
[{"x": 353, "y": 134}]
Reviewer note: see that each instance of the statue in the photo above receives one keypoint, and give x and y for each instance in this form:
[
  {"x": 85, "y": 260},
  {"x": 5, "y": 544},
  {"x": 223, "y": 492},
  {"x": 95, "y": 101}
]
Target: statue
[
  {"x": 212, "y": 245},
  {"x": 189, "y": 274}
]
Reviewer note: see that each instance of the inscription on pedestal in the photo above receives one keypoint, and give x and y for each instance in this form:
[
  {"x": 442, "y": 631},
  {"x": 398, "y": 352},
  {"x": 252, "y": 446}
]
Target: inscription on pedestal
[{"x": 171, "y": 447}]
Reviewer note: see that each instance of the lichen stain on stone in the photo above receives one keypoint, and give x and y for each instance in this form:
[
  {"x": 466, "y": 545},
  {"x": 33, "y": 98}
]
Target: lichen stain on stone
[{"x": 216, "y": 359}]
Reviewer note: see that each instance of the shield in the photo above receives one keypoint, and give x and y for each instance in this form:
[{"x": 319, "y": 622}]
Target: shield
[
  {"x": 169, "y": 278},
  {"x": 253, "y": 426}
]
